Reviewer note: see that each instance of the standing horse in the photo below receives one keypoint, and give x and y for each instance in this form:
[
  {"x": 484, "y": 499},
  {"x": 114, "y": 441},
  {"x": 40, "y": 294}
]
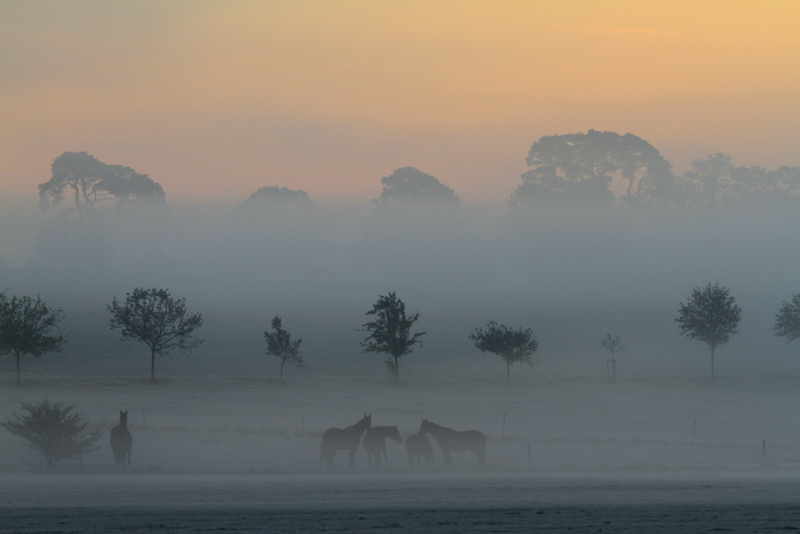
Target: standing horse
[
  {"x": 417, "y": 448},
  {"x": 337, "y": 439},
  {"x": 450, "y": 440},
  {"x": 121, "y": 441},
  {"x": 374, "y": 442}
]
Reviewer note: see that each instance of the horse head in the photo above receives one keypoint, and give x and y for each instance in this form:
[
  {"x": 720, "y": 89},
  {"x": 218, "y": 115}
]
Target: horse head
[
  {"x": 366, "y": 421},
  {"x": 123, "y": 417},
  {"x": 424, "y": 428}
]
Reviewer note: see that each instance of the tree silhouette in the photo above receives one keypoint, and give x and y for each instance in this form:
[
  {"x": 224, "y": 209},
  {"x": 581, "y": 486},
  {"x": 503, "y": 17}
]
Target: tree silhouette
[
  {"x": 28, "y": 327},
  {"x": 96, "y": 187},
  {"x": 154, "y": 318},
  {"x": 614, "y": 346},
  {"x": 409, "y": 186},
  {"x": 280, "y": 345},
  {"x": 787, "y": 320},
  {"x": 54, "y": 430},
  {"x": 710, "y": 315},
  {"x": 390, "y": 332},
  {"x": 580, "y": 168},
  {"x": 514, "y": 346},
  {"x": 271, "y": 197}
]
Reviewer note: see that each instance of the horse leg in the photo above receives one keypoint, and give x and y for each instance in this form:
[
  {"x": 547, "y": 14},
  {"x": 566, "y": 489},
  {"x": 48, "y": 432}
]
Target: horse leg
[{"x": 353, "y": 457}]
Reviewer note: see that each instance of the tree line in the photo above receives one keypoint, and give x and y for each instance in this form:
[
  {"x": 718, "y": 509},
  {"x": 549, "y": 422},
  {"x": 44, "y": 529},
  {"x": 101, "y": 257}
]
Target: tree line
[
  {"x": 602, "y": 168},
  {"x": 29, "y": 327}
]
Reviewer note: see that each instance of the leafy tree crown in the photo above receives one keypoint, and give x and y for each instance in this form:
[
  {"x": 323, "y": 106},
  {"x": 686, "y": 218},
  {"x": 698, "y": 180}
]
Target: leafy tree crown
[
  {"x": 512, "y": 345},
  {"x": 787, "y": 320},
  {"x": 155, "y": 318},
  {"x": 390, "y": 332},
  {"x": 710, "y": 315}
]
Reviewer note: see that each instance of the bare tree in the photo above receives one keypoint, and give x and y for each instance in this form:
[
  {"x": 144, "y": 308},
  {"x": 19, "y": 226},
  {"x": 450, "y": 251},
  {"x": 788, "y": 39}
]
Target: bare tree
[
  {"x": 28, "y": 327},
  {"x": 280, "y": 344},
  {"x": 390, "y": 332},
  {"x": 614, "y": 346},
  {"x": 54, "y": 430},
  {"x": 710, "y": 315},
  {"x": 514, "y": 346},
  {"x": 156, "y": 319}
]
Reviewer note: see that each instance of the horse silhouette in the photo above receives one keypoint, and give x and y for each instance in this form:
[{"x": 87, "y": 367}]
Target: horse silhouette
[
  {"x": 450, "y": 440},
  {"x": 337, "y": 439},
  {"x": 417, "y": 448},
  {"x": 374, "y": 442},
  {"x": 121, "y": 441}
]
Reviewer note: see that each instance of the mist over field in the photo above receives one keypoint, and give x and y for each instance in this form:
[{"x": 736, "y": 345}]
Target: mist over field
[{"x": 571, "y": 275}]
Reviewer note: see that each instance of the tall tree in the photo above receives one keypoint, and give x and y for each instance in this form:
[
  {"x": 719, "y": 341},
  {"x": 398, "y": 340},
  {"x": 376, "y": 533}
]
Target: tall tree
[
  {"x": 390, "y": 331},
  {"x": 54, "y": 430},
  {"x": 28, "y": 327},
  {"x": 154, "y": 318},
  {"x": 514, "y": 346},
  {"x": 581, "y": 167},
  {"x": 409, "y": 186},
  {"x": 787, "y": 320},
  {"x": 710, "y": 315},
  {"x": 280, "y": 345}
]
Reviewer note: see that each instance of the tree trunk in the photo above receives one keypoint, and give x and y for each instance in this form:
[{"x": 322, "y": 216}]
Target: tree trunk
[
  {"x": 396, "y": 369},
  {"x": 18, "y": 357},
  {"x": 508, "y": 372},
  {"x": 712, "y": 362},
  {"x": 152, "y": 365},
  {"x": 282, "y": 362}
]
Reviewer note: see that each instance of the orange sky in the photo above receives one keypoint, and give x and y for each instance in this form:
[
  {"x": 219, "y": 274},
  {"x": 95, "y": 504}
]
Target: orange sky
[{"x": 216, "y": 99}]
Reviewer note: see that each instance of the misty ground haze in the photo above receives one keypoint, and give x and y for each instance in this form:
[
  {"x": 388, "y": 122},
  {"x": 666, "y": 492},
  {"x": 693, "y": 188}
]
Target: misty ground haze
[{"x": 572, "y": 275}]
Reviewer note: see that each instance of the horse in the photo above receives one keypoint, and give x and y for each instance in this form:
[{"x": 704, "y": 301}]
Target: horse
[
  {"x": 337, "y": 439},
  {"x": 121, "y": 441},
  {"x": 375, "y": 444},
  {"x": 417, "y": 448},
  {"x": 450, "y": 440}
]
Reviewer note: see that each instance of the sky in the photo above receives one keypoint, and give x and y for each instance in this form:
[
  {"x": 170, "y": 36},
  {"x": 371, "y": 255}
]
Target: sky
[{"x": 214, "y": 99}]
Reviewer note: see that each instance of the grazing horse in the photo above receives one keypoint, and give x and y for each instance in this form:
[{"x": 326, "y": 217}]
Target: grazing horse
[
  {"x": 417, "y": 448},
  {"x": 450, "y": 440},
  {"x": 374, "y": 442},
  {"x": 337, "y": 439},
  {"x": 121, "y": 441}
]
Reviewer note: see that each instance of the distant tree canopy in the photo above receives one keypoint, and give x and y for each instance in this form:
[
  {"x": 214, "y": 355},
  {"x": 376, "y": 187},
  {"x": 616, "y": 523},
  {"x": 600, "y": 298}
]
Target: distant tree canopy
[
  {"x": 277, "y": 197},
  {"x": 96, "y": 187},
  {"x": 409, "y": 186},
  {"x": 715, "y": 181},
  {"x": 581, "y": 167}
]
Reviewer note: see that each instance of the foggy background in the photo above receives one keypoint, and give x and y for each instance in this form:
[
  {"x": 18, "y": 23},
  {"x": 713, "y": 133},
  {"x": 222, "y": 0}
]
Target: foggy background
[{"x": 572, "y": 274}]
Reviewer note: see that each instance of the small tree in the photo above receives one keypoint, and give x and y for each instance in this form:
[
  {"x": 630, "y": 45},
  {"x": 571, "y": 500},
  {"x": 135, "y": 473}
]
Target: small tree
[
  {"x": 156, "y": 319},
  {"x": 54, "y": 430},
  {"x": 614, "y": 346},
  {"x": 390, "y": 332},
  {"x": 787, "y": 320},
  {"x": 280, "y": 344},
  {"x": 710, "y": 315},
  {"x": 28, "y": 326},
  {"x": 511, "y": 345}
]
